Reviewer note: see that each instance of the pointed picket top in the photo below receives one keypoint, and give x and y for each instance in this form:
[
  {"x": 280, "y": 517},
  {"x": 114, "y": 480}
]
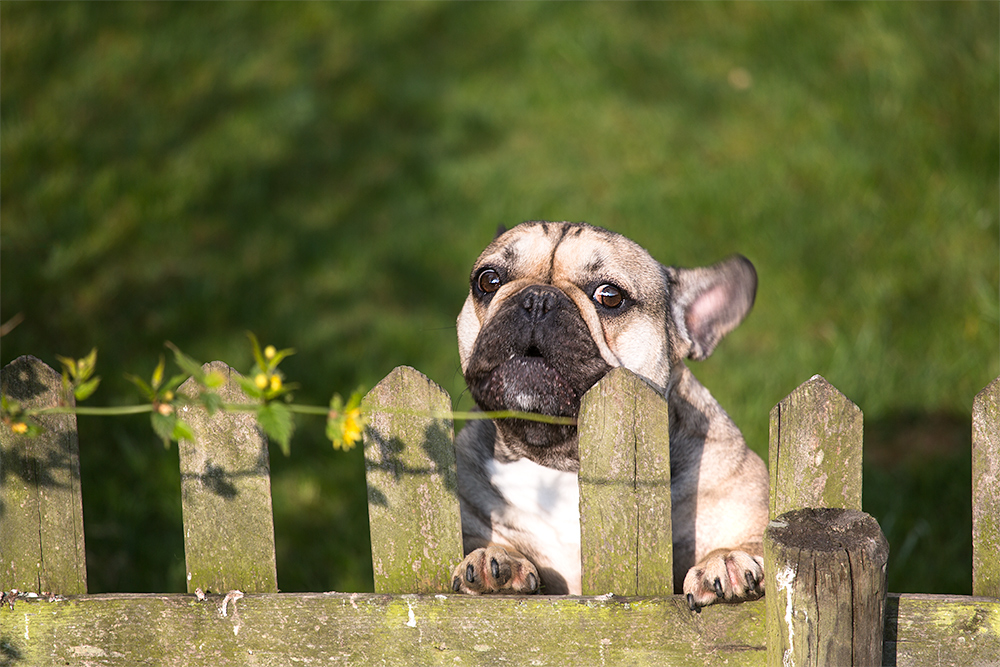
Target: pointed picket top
[
  {"x": 413, "y": 511},
  {"x": 815, "y": 449},
  {"x": 986, "y": 492}
]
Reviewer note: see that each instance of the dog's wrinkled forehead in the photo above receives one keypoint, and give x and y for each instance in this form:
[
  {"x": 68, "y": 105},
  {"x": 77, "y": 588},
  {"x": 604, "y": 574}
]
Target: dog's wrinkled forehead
[
  {"x": 576, "y": 253},
  {"x": 585, "y": 263}
]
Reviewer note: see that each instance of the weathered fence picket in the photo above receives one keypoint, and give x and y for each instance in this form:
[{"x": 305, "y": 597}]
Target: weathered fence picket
[
  {"x": 416, "y": 529},
  {"x": 815, "y": 449},
  {"x": 986, "y": 492},
  {"x": 226, "y": 496},
  {"x": 625, "y": 488},
  {"x": 414, "y": 619},
  {"x": 41, "y": 510}
]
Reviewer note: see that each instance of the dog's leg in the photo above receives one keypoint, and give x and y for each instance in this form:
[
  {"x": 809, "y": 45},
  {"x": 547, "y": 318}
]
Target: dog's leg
[
  {"x": 495, "y": 569},
  {"x": 726, "y": 575}
]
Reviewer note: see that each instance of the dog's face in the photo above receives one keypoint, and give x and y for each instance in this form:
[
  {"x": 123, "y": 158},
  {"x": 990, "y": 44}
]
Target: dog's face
[{"x": 553, "y": 306}]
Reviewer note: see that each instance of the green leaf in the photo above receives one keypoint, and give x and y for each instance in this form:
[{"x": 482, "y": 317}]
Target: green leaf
[
  {"x": 257, "y": 354},
  {"x": 212, "y": 402},
  {"x": 279, "y": 356},
  {"x": 214, "y": 380},
  {"x": 333, "y": 430},
  {"x": 187, "y": 364},
  {"x": 84, "y": 391},
  {"x": 355, "y": 400},
  {"x": 34, "y": 429},
  {"x": 169, "y": 427},
  {"x": 276, "y": 420},
  {"x": 87, "y": 365},
  {"x": 250, "y": 387},
  {"x": 158, "y": 373},
  {"x": 69, "y": 368},
  {"x": 163, "y": 426},
  {"x": 182, "y": 430},
  {"x": 175, "y": 382},
  {"x": 146, "y": 390}
]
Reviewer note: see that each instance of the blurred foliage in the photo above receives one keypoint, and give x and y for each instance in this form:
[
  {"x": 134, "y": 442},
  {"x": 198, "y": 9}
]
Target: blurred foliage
[{"x": 325, "y": 175}]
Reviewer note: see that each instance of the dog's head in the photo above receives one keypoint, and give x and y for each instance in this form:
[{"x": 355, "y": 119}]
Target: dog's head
[{"x": 553, "y": 306}]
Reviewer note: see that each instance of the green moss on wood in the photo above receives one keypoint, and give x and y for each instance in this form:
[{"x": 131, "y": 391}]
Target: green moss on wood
[
  {"x": 346, "y": 629},
  {"x": 986, "y": 492},
  {"x": 355, "y": 629}
]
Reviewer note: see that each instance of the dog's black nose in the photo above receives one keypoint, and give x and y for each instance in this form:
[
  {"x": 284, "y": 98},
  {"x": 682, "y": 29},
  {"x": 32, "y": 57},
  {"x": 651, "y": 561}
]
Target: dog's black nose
[{"x": 538, "y": 301}]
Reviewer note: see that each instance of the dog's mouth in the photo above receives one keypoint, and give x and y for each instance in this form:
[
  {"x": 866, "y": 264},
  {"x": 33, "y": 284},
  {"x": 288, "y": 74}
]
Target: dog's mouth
[
  {"x": 536, "y": 355},
  {"x": 528, "y": 384}
]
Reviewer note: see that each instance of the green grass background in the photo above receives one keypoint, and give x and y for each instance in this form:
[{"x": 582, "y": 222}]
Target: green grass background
[{"x": 325, "y": 175}]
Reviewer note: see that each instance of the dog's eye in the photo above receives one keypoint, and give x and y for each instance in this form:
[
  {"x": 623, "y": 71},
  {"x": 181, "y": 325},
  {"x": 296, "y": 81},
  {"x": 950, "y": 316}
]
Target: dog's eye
[
  {"x": 609, "y": 296},
  {"x": 488, "y": 281}
]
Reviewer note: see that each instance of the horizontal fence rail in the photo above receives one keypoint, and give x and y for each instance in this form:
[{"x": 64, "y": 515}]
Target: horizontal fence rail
[{"x": 628, "y": 614}]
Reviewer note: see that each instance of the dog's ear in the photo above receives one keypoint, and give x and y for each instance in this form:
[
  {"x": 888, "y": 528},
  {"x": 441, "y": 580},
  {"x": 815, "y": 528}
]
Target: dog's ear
[
  {"x": 501, "y": 230},
  {"x": 707, "y": 303}
]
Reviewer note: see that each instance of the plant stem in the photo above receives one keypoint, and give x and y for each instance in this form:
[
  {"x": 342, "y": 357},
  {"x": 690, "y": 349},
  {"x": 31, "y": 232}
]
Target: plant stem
[
  {"x": 97, "y": 412},
  {"x": 304, "y": 410}
]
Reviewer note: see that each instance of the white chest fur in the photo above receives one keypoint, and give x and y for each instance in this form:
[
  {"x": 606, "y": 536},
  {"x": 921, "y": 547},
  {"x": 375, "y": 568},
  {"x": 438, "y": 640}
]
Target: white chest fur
[{"x": 543, "y": 510}]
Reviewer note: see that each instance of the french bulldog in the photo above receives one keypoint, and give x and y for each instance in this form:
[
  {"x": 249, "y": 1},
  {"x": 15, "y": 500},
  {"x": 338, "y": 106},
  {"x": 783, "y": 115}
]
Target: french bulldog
[{"x": 552, "y": 307}]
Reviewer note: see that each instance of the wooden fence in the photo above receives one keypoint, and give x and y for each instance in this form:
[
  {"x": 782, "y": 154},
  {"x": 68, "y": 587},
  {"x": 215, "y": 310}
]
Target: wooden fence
[{"x": 826, "y": 600}]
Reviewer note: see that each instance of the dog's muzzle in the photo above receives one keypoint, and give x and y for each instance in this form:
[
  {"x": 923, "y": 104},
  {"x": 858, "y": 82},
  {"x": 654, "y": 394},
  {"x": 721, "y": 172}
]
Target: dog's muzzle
[{"x": 535, "y": 355}]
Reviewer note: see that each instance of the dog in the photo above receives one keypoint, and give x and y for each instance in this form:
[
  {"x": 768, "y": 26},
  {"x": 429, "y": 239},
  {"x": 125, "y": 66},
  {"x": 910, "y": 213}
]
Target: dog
[{"x": 552, "y": 307}]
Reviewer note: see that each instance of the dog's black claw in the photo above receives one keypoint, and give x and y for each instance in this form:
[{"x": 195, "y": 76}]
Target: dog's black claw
[
  {"x": 691, "y": 603},
  {"x": 494, "y": 568},
  {"x": 470, "y": 573},
  {"x": 751, "y": 582},
  {"x": 532, "y": 582},
  {"x": 456, "y": 584},
  {"x": 718, "y": 588}
]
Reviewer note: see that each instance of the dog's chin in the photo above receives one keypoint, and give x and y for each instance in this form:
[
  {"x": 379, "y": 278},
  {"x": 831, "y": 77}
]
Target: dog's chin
[{"x": 529, "y": 384}]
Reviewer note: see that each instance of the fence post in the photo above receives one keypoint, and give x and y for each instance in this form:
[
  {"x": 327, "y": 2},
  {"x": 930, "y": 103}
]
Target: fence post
[
  {"x": 413, "y": 511},
  {"x": 986, "y": 492},
  {"x": 824, "y": 568},
  {"x": 41, "y": 510},
  {"x": 226, "y": 496},
  {"x": 825, "y": 588},
  {"x": 625, "y": 530},
  {"x": 815, "y": 449}
]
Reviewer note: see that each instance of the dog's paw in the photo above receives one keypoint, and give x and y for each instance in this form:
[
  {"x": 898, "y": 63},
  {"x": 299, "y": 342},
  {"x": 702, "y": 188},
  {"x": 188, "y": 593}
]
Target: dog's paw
[
  {"x": 724, "y": 576},
  {"x": 494, "y": 569}
]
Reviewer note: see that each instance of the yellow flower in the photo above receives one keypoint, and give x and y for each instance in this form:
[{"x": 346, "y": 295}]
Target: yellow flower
[
  {"x": 345, "y": 425},
  {"x": 19, "y": 427},
  {"x": 275, "y": 383},
  {"x": 261, "y": 381},
  {"x": 269, "y": 352},
  {"x": 168, "y": 395},
  {"x": 352, "y": 428}
]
